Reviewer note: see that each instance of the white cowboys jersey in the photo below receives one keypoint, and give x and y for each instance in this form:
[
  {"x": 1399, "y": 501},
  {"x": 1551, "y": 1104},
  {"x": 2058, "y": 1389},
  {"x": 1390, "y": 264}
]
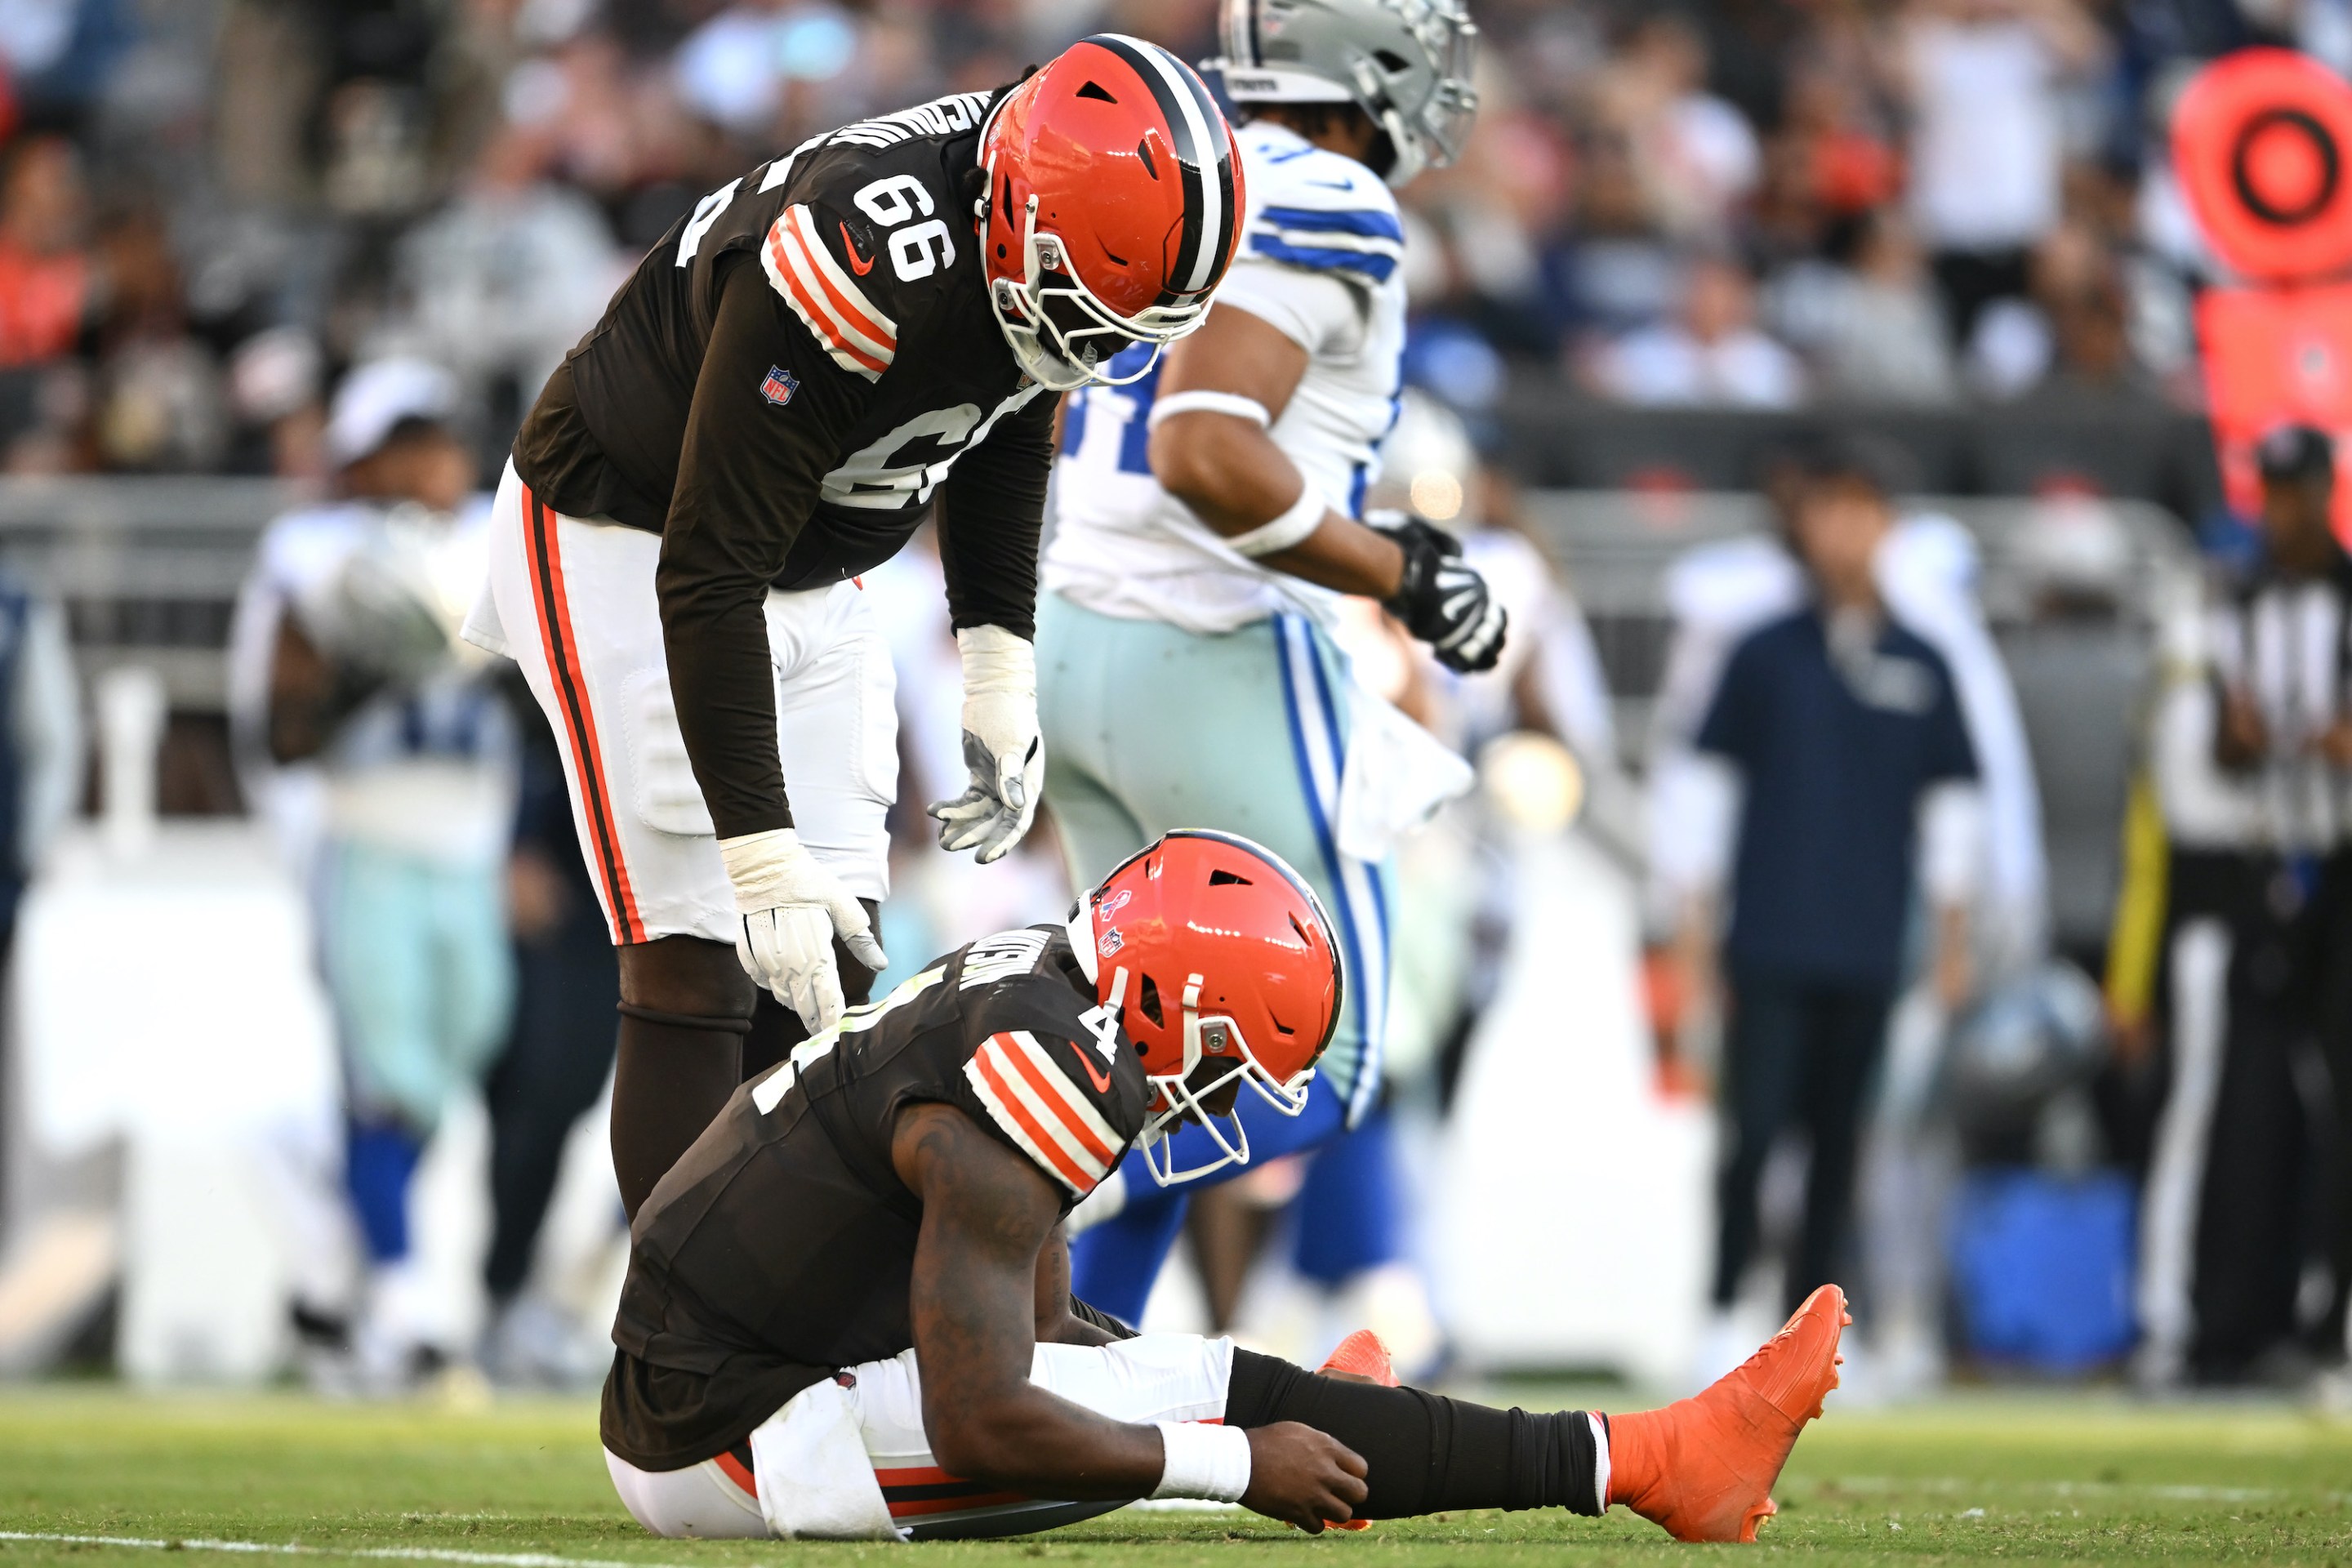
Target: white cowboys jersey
[{"x": 1322, "y": 259}]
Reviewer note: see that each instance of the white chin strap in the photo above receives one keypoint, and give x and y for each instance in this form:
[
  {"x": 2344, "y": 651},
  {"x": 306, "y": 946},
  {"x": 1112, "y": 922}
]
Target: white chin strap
[{"x": 1080, "y": 928}]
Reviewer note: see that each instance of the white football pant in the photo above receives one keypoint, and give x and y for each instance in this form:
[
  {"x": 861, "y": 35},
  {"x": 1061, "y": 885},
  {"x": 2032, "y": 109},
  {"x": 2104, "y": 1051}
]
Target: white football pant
[
  {"x": 848, "y": 1458},
  {"x": 571, "y": 601}
]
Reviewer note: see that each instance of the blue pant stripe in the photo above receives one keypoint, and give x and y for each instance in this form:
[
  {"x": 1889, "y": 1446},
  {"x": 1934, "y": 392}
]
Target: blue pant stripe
[
  {"x": 1367, "y": 969},
  {"x": 1359, "y": 885}
]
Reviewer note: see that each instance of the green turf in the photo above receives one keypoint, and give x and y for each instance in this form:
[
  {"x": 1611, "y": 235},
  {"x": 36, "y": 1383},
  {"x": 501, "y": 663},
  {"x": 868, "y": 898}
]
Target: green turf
[{"x": 2023, "y": 1481}]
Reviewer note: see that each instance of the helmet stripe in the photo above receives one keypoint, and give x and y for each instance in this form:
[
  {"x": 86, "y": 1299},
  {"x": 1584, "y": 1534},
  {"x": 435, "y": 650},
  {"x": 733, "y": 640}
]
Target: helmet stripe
[
  {"x": 1196, "y": 127},
  {"x": 1183, "y": 118},
  {"x": 1238, "y": 19}
]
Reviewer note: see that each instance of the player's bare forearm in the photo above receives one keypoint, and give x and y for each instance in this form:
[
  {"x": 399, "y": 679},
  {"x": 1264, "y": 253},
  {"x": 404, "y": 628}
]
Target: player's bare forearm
[
  {"x": 1056, "y": 1324},
  {"x": 309, "y": 695},
  {"x": 301, "y": 685},
  {"x": 1955, "y": 956},
  {"x": 1345, "y": 556},
  {"x": 1231, "y": 472},
  {"x": 987, "y": 1219}
]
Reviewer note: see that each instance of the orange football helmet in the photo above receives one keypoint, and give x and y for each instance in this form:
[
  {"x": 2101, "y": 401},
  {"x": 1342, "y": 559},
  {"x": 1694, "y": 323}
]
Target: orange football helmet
[
  {"x": 1207, "y": 948},
  {"x": 1114, "y": 201}
]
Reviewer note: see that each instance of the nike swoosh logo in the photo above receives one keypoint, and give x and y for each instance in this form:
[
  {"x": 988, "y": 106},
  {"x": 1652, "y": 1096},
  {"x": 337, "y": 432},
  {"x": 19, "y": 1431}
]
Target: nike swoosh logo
[
  {"x": 1101, "y": 1079},
  {"x": 1331, "y": 185},
  {"x": 861, "y": 265}
]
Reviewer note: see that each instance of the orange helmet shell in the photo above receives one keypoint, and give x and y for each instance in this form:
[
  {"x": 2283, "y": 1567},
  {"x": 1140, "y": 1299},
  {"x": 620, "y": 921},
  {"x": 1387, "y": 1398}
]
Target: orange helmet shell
[
  {"x": 1219, "y": 911},
  {"x": 1136, "y": 183}
]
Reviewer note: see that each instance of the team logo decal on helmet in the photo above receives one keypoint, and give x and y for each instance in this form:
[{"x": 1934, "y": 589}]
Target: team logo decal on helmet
[
  {"x": 1114, "y": 200},
  {"x": 1405, "y": 63},
  {"x": 1217, "y": 960}
]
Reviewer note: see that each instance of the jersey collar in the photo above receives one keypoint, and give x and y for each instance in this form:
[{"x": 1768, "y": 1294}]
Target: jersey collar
[{"x": 1276, "y": 136}]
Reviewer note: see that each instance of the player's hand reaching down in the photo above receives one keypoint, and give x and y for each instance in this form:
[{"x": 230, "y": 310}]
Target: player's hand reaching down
[
  {"x": 1001, "y": 748},
  {"x": 1304, "y": 1477},
  {"x": 789, "y": 910}
]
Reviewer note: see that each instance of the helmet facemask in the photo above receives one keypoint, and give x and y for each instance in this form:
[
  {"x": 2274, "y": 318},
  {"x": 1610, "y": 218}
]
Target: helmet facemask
[
  {"x": 1200, "y": 903},
  {"x": 1063, "y": 336},
  {"x": 1177, "y": 1098},
  {"x": 1432, "y": 133}
]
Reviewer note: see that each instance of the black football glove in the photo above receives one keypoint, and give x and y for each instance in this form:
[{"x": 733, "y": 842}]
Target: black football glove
[{"x": 1442, "y": 599}]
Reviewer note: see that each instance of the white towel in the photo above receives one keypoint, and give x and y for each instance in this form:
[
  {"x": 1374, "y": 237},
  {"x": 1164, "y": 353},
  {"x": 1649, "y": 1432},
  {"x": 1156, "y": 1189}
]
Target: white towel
[
  {"x": 816, "y": 1482},
  {"x": 1396, "y": 776}
]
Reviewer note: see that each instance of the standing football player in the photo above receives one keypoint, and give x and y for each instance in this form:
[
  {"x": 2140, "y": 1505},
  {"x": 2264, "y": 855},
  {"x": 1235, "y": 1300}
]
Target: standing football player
[
  {"x": 1209, "y": 517},
  {"x": 385, "y": 769},
  {"x": 848, "y": 1315},
  {"x": 767, "y": 410}
]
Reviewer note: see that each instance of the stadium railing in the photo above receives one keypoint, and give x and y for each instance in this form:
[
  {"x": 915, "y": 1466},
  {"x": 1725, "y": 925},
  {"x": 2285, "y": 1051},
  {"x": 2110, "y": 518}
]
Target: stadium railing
[
  {"x": 1614, "y": 547},
  {"x": 2133, "y": 447},
  {"x": 149, "y": 568}
]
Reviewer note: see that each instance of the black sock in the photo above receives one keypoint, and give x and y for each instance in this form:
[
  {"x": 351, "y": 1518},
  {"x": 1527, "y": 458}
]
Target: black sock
[
  {"x": 1426, "y": 1453},
  {"x": 672, "y": 1075}
]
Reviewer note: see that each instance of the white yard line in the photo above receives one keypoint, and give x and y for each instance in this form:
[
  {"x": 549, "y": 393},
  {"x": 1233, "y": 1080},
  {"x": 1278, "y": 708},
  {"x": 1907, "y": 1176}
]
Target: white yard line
[
  {"x": 404, "y": 1553},
  {"x": 2169, "y": 1491}
]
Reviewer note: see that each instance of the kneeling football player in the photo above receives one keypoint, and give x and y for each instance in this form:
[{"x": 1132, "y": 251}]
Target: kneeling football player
[{"x": 847, "y": 1311}]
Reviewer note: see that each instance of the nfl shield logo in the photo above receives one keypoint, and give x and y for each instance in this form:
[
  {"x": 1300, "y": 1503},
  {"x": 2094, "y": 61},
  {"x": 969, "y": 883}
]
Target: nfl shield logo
[{"x": 779, "y": 385}]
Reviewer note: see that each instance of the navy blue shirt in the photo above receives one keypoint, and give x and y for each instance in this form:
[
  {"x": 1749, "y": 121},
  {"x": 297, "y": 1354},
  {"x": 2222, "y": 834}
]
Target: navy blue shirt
[{"x": 1835, "y": 753}]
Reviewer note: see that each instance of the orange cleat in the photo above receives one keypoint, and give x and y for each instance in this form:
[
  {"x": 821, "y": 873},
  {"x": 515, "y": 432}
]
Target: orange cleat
[
  {"x": 1702, "y": 1467},
  {"x": 1362, "y": 1357}
]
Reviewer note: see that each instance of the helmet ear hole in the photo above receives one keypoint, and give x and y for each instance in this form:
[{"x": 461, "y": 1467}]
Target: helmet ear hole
[
  {"x": 1392, "y": 62},
  {"x": 1223, "y": 879},
  {"x": 1149, "y": 1002}
]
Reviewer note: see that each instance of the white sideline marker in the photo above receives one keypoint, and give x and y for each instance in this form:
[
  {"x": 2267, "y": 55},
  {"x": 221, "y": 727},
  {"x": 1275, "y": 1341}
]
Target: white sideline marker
[{"x": 403, "y": 1554}]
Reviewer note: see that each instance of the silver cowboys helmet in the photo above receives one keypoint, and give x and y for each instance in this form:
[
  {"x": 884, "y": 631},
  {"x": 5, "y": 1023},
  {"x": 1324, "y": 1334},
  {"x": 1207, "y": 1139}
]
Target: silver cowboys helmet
[{"x": 1406, "y": 63}]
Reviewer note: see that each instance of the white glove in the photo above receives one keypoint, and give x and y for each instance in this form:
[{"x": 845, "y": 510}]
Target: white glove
[
  {"x": 387, "y": 611},
  {"x": 1001, "y": 749},
  {"x": 788, "y": 911}
]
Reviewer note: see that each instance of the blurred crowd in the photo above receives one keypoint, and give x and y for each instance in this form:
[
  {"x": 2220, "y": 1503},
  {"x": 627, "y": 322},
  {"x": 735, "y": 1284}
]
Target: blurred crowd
[{"x": 208, "y": 206}]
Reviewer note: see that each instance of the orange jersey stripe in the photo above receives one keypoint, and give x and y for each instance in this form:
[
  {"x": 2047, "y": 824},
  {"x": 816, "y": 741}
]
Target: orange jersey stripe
[
  {"x": 860, "y": 314},
  {"x": 815, "y": 319},
  {"x": 1079, "y": 1180},
  {"x": 1056, "y": 1095},
  {"x": 798, "y": 259}
]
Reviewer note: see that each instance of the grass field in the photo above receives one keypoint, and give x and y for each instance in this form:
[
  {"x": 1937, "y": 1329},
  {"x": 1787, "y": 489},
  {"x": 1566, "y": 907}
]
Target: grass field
[{"x": 2022, "y": 1480}]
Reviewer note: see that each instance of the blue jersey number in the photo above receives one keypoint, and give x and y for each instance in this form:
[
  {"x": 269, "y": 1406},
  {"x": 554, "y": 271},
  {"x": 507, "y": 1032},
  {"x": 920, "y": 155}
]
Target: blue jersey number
[{"x": 1129, "y": 406}]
